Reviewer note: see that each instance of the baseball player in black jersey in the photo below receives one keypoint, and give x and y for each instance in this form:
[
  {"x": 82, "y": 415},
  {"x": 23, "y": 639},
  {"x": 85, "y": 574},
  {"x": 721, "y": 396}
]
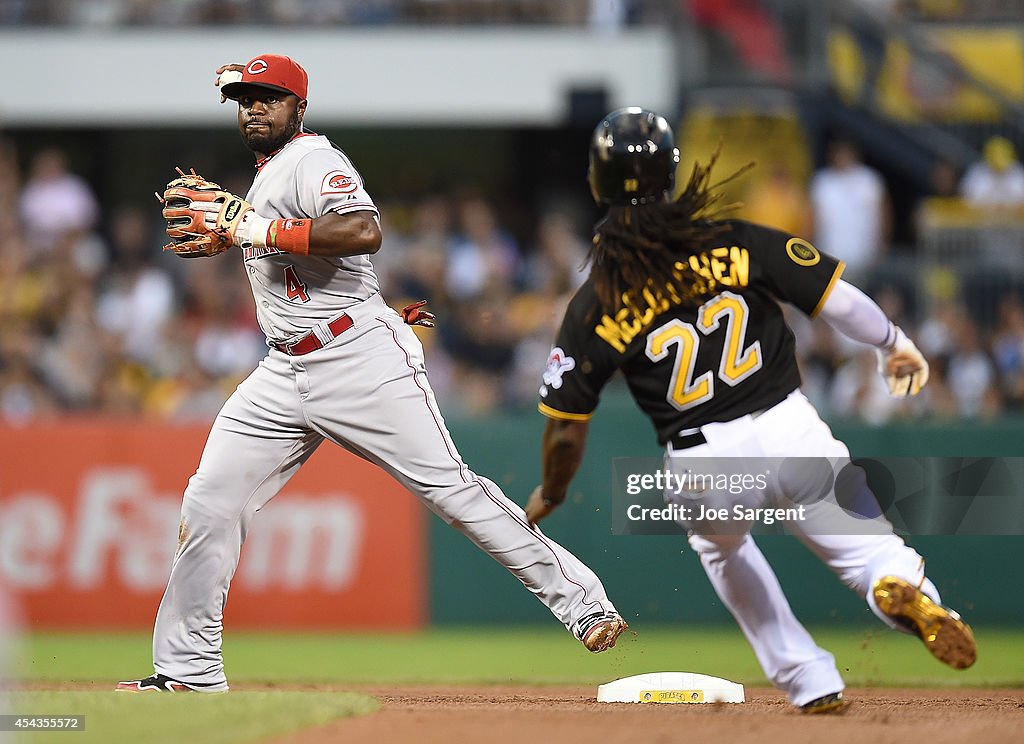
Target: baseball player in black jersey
[{"x": 687, "y": 306}]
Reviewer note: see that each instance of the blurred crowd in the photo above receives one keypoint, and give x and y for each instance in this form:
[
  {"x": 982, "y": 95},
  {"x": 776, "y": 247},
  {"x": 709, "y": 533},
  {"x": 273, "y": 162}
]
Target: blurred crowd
[
  {"x": 118, "y": 13},
  {"x": 599, "y": 13},
  {"x": 98, "y": 319},
  {"x": 94, "y": 317},
  {"x": 986, "y": 11},
  {"x": 964, "y": 310}
]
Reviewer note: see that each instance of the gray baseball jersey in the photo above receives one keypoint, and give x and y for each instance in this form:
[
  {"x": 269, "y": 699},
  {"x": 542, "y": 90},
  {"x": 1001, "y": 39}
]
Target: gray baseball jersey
[
  {"x": 364, "y": 389},
  {"x": 280, "y": 281}
]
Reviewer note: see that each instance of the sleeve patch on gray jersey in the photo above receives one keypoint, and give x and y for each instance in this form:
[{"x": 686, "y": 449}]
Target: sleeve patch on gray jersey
[{"x": 339, "y": 182}]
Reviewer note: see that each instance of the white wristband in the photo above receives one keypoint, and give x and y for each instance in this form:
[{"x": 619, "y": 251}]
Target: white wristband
[
  {"x": 890, "y": 337},
  {"x": 895, "y": 337},
  {"x": 252, "y": 231}
]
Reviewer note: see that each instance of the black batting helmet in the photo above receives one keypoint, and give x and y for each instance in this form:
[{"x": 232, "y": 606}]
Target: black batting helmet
[{"x": 633, "y": 158}]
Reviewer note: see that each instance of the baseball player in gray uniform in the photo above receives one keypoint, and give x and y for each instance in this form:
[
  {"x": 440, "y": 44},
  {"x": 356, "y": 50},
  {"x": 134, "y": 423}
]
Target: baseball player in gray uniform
[{"x": 342, "y": 366}]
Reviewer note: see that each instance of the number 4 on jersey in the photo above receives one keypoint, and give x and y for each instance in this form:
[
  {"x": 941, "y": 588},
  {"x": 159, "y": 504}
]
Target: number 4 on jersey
[{"x": 295, "y": 288}]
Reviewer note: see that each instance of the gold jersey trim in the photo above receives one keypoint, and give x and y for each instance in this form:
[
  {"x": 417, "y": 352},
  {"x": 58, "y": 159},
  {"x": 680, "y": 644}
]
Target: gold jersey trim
[
  {"x": 828, "y": 289},
  {"x": 562, "y": 415}
]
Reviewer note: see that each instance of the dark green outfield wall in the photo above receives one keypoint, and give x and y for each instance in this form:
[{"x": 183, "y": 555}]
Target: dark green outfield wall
[{"x": 658, "y": 579}]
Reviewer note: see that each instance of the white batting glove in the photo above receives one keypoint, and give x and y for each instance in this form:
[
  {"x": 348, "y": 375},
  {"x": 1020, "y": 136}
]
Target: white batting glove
[
  {"x": 250, "y": 230},
  {"x": 902, "y": 365}
]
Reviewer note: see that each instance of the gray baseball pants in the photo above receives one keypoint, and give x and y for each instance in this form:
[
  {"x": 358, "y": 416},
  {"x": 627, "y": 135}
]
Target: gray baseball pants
[{"x": 368, "y": 392}]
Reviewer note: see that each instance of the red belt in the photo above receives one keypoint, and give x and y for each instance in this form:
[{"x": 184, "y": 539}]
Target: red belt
[{"x": 310, "y": 342}]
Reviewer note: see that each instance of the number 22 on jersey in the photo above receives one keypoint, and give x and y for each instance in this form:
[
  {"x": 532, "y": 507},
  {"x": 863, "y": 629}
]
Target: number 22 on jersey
[
  {"x": 295, "y": 288},
  {"x": 738, "y": 361}
]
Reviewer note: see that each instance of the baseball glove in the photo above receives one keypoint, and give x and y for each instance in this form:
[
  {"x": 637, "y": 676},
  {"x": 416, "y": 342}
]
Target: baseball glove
[{"x": 201, "y": 217}]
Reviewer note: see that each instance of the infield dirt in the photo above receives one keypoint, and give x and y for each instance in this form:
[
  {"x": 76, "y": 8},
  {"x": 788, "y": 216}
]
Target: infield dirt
[{"x": 571, "y": 715}]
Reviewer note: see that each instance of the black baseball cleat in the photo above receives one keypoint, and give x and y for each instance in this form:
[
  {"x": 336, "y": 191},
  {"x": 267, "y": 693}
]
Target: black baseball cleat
[
  {"x": 600, "y": 631},
  {"x": 163, "y": 683},
  {"x": 831, "y": 703},
  {"x": 949, "y": 638}
]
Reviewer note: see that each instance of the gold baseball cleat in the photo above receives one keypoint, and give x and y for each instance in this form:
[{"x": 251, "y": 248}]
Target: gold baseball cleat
[
  {"x": 831, "y": 703},
  {"x": 949, "y": 638}
]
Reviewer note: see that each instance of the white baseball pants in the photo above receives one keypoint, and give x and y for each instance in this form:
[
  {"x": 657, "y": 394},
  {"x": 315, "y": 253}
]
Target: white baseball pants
[{"x": 742, "y": 576}]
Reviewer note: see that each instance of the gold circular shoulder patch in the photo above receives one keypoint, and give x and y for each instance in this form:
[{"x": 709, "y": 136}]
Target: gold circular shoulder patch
[{"x": 802, "y": 252}]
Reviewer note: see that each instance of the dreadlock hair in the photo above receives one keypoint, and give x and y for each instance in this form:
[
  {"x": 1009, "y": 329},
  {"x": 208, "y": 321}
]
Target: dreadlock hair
[{"x": 647, "y": 244}]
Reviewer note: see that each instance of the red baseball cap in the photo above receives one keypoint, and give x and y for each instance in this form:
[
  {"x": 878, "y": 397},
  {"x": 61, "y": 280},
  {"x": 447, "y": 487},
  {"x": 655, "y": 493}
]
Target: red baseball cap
[{"x": 273, "y": 71}]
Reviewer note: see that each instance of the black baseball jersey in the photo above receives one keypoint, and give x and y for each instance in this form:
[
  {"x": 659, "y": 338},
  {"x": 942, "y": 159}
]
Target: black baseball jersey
[{"x": 689, "y": 365}]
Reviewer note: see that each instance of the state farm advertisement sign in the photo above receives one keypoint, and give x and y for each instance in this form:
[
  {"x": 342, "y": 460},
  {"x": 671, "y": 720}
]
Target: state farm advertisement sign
[{"x": 89, "y": 516}]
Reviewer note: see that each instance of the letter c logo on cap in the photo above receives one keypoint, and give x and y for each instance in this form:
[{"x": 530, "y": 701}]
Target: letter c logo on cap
[{"x": 257, "y": 66}]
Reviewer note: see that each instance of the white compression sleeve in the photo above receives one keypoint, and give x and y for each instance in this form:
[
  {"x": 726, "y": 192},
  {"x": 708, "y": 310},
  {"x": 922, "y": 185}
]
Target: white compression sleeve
[{"x": 854, "y": 314}]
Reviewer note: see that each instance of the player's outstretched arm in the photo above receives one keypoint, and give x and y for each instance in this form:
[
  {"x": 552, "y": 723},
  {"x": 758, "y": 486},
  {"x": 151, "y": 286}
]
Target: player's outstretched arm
[
  {"x": 562, "y": 451},
  {"x": 854, "y": 314},
  {"x": 331, "y": 234},
  {"x": 351, "y": 234},
  {"x": 197, "y": 209}
]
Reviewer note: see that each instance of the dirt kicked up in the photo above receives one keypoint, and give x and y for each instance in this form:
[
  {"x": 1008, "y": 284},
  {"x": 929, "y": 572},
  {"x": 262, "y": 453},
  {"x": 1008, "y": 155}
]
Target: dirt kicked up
[{"x": 571, "y": 715}]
